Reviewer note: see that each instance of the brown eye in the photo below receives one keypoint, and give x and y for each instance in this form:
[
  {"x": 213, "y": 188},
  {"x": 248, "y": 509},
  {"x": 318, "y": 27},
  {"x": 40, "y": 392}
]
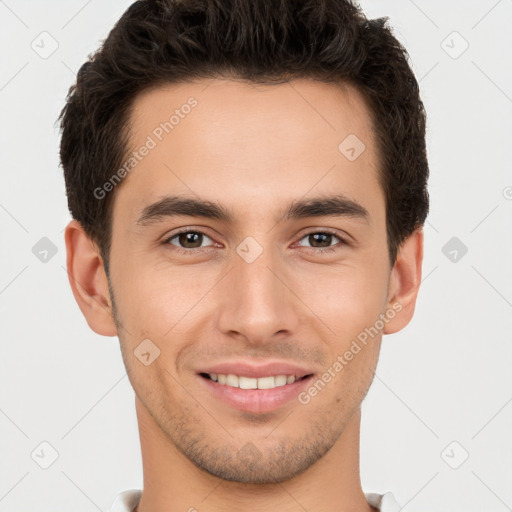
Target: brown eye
[
  {"x": 188, "y": 239},
  {"x": 322, "y": 240}
]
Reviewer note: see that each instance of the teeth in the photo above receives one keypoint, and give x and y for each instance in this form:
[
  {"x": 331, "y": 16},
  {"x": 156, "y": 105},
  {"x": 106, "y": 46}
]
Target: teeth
[
  {"x": 232, "y": 380},
  {"x": 266, "y": 382},
  {"x": 280, "y": 380},
  {"x": 243, "y": 382},
  {"x": 247, "y": 383}
]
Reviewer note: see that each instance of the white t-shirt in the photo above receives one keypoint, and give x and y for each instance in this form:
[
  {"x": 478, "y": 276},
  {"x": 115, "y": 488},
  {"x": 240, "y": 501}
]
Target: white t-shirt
[{"x": 128, "y": 500}]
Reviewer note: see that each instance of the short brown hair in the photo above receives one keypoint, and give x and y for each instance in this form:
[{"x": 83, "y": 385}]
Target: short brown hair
[{"x": 264, "y": 41}]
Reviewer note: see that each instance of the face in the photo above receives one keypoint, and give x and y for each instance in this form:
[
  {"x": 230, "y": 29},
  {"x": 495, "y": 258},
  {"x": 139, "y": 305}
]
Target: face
[{"x": 252, "y": 284}]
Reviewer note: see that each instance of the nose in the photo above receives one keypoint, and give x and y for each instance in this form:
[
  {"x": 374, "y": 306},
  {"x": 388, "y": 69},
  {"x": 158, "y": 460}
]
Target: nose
[{"x": 257, "y": 301}]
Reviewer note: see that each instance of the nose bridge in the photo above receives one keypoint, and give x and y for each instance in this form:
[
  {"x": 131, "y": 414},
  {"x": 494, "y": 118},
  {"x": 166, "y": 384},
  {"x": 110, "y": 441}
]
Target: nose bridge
[{"x": 257, "y": 303}]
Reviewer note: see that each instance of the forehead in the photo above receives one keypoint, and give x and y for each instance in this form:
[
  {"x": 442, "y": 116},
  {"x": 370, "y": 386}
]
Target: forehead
[{"x": 242, "y": 141}]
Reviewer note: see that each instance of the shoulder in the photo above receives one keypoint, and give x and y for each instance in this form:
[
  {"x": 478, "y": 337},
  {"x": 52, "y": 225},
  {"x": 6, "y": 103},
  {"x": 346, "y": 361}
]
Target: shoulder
[{"x": 126, "y": 501}]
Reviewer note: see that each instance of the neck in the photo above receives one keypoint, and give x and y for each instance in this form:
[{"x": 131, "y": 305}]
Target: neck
[{"x": 172, "y": 483}]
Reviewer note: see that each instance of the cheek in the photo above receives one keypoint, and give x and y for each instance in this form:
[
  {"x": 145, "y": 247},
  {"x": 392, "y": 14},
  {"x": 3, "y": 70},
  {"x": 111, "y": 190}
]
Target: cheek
[
  {"x": 348, "y": 299},
  {"x": 156, "y": 302}
]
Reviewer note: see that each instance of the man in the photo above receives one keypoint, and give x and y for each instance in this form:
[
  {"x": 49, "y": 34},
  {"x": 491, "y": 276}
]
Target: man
[{"x": 248, "y": 187}]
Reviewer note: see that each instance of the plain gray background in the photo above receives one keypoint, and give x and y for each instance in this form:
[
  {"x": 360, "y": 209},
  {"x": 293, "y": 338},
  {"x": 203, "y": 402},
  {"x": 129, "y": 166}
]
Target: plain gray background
[{"x": 437, "y": 420}]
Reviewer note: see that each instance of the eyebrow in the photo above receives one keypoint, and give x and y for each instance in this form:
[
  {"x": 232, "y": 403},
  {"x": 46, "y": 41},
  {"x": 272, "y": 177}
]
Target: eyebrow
[{"x": 322, "y": 206}]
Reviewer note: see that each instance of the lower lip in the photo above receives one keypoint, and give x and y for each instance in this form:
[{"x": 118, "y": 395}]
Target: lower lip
[{"x": 257, "y": 400}]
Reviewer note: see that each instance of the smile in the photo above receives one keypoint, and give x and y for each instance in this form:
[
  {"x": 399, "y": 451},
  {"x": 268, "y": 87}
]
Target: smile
[
  {"x": 243, "y": 382},
  {"x": 255, "y": 395}
]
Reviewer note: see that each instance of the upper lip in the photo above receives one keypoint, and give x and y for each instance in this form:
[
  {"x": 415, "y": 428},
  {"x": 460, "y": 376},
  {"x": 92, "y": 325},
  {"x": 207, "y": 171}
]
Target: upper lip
[{"x": 256, "y": 370}]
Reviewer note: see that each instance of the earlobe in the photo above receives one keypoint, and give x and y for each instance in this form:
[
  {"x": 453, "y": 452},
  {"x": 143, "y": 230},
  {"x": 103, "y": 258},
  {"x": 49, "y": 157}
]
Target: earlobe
[
  {"x": 405, "y": 281},
  {"x": 88, "y": 280}
]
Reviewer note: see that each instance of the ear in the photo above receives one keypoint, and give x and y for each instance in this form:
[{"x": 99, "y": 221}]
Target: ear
[
  {"x": 405, "y": 281},
  {"x": 88, "y": 280}
]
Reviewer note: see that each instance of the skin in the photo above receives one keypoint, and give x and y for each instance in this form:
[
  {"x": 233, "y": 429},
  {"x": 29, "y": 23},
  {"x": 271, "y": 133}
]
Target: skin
[{"x": 253, "y": 149}]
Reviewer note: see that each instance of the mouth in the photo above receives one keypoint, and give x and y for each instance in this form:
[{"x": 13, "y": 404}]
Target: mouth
[
  {"x": 260, "y": 391},
  {"x": 244, "y": 382}
]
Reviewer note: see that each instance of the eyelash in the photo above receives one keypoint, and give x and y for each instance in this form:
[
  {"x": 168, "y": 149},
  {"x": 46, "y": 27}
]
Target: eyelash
[{"x": 321, "y": 250}]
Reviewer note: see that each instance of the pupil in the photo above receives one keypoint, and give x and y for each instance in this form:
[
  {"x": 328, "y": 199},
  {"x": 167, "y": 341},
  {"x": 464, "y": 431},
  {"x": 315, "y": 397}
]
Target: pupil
[
  {"x": 325, "y": 235},
  {"x": 194, "y": 238},
  {"x": 186, "y": 238}
]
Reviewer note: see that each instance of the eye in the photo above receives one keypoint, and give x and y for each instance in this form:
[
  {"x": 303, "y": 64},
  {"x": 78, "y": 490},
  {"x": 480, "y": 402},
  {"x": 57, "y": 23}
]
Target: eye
[
  {"x": 322, "y": 237},
  {"x": 187, "y": 240}
]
